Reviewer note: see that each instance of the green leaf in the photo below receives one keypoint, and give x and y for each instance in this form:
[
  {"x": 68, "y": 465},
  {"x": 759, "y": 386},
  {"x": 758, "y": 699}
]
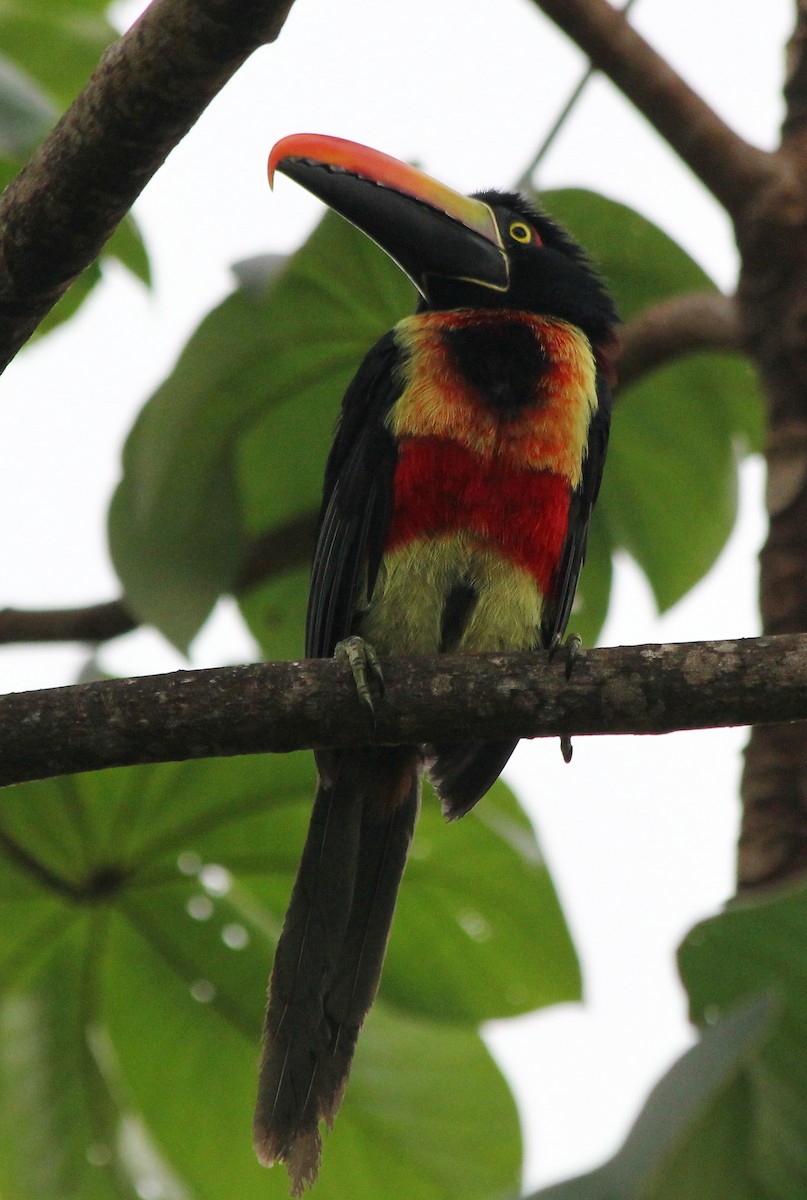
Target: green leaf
[
  {"x": 26, "y": 114},
  {"x": 448, "y": 1125},
  {"x": 60, "y": 1129},
  {"x": 140, "y": 909},
  {"x": 761, "y": 946},
  {"x": 275, "y": 613},
  {"x": 126, "y": 244},
  {"x": 670, "y": 497},
  {"x": 337, "y": 296},
  {"x": 175, "y": 523},
  {"x": 56, "y": 42},
  {"x": 680, "y": 1109},
  {"x": 670, "y": 489},
  {"x": 503, "y": 946},
  {"x": 235, "y": 439}
]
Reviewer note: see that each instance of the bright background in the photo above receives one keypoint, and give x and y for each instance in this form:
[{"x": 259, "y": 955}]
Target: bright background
[{"x": 640, "y": 832}]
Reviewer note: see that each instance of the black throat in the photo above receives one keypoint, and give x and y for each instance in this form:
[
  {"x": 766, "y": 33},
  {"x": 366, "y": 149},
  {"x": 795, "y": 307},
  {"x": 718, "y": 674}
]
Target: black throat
[{"x": 500, "y": 359}]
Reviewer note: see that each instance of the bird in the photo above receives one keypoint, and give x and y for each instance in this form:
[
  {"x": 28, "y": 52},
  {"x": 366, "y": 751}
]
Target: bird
[{"x": 457, "y": 496}]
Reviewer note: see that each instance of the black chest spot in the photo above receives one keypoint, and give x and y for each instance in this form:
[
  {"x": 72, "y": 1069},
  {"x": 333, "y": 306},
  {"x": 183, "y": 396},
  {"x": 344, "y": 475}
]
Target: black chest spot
[{"x": 502, "y": 361}]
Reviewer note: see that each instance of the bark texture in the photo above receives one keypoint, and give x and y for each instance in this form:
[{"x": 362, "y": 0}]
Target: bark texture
[
  {"x": 312, "y": 704},
  {"x": 772, "y": 302}
]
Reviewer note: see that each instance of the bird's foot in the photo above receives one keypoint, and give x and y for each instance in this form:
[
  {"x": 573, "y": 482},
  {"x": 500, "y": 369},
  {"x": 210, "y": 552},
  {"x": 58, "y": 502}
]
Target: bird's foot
[
  {"x": 572, "y": 646},
  {"x": 364, "y": 667}
]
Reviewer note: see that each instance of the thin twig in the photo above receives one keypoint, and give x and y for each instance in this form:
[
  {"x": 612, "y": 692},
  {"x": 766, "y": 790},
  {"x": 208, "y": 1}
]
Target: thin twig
[
  {"x": 526, "y": 177},
  {"x": 730, "y": 167}
]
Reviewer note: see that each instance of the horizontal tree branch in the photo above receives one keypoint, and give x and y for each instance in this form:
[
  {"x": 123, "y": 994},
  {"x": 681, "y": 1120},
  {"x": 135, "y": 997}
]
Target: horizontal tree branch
[
  {"x": 290, "y": 706},
  {"x": 149, "y": 89},
  {"x": 682, "y": 325},
  {"x": 729, "y": 166}
]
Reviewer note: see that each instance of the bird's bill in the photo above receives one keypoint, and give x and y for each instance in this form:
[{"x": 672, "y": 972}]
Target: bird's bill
[{"x": 427, "y": 228}]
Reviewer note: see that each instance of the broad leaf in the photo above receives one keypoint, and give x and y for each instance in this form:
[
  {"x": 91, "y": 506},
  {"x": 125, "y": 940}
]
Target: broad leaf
[
  {"x": 235, "y": 439},
  {"x": 140, "y": 911},
  {"x": 56, "y": 42},
  {"x": 61, "y": 1126},
  {"x": 695, "y": 1096},
  {"x": 761, "y": 946}
]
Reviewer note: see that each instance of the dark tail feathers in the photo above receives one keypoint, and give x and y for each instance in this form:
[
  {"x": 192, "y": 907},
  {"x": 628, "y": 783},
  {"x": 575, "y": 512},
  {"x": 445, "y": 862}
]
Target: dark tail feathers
[{"x": 331, "y": 951}]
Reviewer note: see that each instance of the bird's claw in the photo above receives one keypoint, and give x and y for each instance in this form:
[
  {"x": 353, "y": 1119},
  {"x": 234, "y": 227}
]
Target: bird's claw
[
  {"x": 572, "y": 646},
  {"x": 364, "y": 666}
]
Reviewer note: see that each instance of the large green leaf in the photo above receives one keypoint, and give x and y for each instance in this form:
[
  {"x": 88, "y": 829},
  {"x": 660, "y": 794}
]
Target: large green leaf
[
  {"x": 59, "y": 1137},
  {"x": 730, "y": 1119},
  {"x": 691, "y": 1108},
  {"x": 175, "y": 522},
  {"x": 670, "y": 489},
  {"x": 140, "y": 911},
  {"x": 761, "y": 946},
  {"x": 56, "y": 42},
  {"x": 268, "y": 367}
]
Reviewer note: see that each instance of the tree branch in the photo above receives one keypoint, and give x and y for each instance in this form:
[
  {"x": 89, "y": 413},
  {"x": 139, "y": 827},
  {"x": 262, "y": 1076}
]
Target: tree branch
[
  {"x": 95, "y": 623},
  {"x": 149, "y": 89},
  {"x": 681, "y": 325},
  {"x": 290, "y": 706},
  {"x": 729, "y": 166}
]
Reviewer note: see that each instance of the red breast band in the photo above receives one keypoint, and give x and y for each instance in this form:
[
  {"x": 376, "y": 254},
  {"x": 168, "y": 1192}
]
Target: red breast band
[{"x": 441, "y": 487}]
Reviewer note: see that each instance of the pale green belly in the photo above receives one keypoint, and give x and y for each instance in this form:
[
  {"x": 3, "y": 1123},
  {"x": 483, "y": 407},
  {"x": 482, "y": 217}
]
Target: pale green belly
[{"x": 406, "y": 612}]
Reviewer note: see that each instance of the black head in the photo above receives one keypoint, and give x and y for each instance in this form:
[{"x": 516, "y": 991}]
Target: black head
[{"x": 549, "y": 273}]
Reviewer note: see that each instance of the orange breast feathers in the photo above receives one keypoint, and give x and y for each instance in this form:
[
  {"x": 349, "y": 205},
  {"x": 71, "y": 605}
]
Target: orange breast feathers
[{"x": 495, "y": 463}]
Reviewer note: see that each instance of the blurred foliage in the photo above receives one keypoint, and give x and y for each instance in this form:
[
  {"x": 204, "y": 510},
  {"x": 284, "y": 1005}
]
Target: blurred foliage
[
  {"x": 140, "y": 913},
  {"x": 49, "y": 50},
  {"x": 730, "y": 1117}
]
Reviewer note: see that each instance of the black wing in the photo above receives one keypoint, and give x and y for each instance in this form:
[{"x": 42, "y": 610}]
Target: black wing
[
  {"x": 356, "y": 502},
  {"x": 558, "y": 604}
]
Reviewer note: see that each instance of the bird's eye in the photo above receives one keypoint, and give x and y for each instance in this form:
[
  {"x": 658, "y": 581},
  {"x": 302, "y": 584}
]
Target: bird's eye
[{"x": 520, "y": 232}]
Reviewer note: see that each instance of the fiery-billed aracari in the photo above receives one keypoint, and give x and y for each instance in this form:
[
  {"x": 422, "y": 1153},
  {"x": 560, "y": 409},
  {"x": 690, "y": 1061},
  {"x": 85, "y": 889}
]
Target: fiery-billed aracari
[{"x": 456, "y": 504}]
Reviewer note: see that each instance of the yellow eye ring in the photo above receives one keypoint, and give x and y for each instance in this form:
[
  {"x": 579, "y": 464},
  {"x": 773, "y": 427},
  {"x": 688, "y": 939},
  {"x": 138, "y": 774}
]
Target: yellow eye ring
[{"x": 520, "y": 232}]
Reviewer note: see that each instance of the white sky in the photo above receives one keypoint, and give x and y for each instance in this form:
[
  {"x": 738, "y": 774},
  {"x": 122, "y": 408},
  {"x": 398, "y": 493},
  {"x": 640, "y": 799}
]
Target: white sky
[{"x": 640, "y": 832}]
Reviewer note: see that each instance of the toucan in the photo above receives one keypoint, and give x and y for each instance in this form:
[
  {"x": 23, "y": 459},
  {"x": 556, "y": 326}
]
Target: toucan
[{"x": 456, "y": 503}]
